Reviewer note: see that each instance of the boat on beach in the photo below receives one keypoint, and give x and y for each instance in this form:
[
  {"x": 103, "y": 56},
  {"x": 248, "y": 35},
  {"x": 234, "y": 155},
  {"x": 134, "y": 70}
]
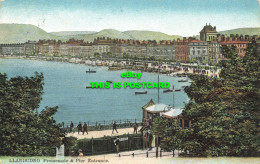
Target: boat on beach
[
  {"x": 177, "y": 90},
  {"x": 144, "y": 92}
]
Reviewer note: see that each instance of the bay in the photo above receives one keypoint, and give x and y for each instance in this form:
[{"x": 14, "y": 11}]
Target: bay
[{"x": 65, "y": 86}]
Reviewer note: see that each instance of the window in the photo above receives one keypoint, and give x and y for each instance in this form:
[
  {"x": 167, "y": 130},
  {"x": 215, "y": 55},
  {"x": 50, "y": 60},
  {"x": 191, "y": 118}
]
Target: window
[
  {"x": 180, "y": 122},
  {"x": 186, "y": 123}
]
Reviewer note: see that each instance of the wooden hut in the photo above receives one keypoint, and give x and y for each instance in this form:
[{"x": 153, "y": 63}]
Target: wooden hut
[
  {"x": 151, "y": 110},
  {"x": 177, "y": 114}
]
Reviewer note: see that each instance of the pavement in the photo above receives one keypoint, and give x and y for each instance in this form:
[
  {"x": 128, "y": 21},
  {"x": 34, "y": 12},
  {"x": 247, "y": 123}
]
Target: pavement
[{"x": 103, "y": 133}]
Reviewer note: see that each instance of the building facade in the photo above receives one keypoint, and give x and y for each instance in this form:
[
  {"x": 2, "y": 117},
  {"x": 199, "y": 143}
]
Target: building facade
[
  {"x": 198, "y": 51},
  {"x": 208, "y": 33},
  {"x": 161, "y": 51},
  {"x": 12, "y": 49},
  {"x": 240, "y": 46},
  {"x": 182, "y": 50},
  {"x": 213, "y": 52}
]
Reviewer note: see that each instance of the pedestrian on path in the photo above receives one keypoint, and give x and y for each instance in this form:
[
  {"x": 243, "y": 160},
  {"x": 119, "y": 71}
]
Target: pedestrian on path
[
  {"x": 135, "y": 128},
  {"x": 116, "y": 141},
  {"x": 85, "y": 128},
  {"x": 114, "y": 127},
  {"x": 145, "y": 140},
  {"x": 80, "y": 153},
  {"x": 150, "y": 140},
  {"x": 71, "y": 127},
  {"x": 79, "y": 127}
]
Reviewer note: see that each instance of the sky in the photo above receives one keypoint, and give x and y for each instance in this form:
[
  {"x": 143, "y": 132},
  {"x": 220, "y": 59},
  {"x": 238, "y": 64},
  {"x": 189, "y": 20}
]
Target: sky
[{"x": 174, "y": 17}]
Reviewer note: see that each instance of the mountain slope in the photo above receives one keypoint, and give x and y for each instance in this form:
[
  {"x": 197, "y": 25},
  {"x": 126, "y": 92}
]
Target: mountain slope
[
  {"x": 19, "y": 33},
  {"x": 150, "y": 35},
  {"x": 72, "y": 33},
  {"x": 134, "y": 35},
  {"x": 243, "y": 31},
  {"x": 111, "y": 33}
]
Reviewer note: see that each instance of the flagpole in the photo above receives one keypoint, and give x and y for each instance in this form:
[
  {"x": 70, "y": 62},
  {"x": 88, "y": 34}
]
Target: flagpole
[
  {"x": 173, "y": 96},
  {"x": 158, "y": 82}
]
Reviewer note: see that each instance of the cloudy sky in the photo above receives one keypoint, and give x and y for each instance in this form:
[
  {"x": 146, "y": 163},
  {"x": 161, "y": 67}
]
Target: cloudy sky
[{"x": 180, "y": 17}]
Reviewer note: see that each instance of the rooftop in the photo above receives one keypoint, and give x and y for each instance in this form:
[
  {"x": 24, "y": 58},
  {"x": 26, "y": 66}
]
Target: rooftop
[
  {"x": 209, "y": 28},
  {"x": 234, "y": 42},
  {"x": 172, "y": 113},
  {"x": 158, "y": 108}
]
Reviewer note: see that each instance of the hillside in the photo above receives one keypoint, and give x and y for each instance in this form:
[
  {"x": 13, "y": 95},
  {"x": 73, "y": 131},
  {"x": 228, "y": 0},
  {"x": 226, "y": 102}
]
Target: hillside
[
  {"x": 243, "y": 31},
  {"x": 135, "y": 35},
  {"x": 150, "y": 35},
  {"x": 72, "y": 33},
  {"x": 19, "y": 33},
  {"x": 111, "y": 33}
]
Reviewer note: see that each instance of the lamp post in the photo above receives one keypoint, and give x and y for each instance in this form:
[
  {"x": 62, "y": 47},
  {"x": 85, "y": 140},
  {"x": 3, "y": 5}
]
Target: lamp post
[{"x": 158, "y": 81}]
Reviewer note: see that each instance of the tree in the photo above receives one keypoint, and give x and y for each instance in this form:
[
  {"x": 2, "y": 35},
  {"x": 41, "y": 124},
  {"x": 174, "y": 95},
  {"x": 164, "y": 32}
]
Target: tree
[
  {"x": 194, "y": 60},
  {"x": 205, "y": 62},
  {"x": 23, "y": 130},
  {"x": 109, "y": 54},
  {"x": 170, "y": 140},
  {"x": 96, "y": 55},
  {"x": 125, "y": 55},
  {"x": 152, "y": 58},
  {"x": 159, "y": 128},
  {"x": 225, "y": 112}
]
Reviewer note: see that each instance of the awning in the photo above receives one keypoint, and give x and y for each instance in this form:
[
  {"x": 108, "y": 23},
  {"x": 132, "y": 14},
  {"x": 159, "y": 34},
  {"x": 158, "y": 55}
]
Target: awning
[
  {"x": 158, "y": 108},
  {"x": 173, "y": 113}
]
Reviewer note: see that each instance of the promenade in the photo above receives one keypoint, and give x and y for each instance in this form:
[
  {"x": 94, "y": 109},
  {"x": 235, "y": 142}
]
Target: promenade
[{"x": 99, "y": 134}]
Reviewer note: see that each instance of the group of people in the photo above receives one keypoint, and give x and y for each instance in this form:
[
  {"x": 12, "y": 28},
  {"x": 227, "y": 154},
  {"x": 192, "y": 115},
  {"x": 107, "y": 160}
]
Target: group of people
[
  {"x": 80, "y": 128},
  {"x": 84, "y": 128},
  {"x": 115, "y": 127},
  {"x": 148, "y": 138}
]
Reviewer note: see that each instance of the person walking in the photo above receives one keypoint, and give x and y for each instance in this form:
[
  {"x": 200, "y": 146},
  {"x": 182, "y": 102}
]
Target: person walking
[
  {"x": 145, "y": 136},
  {"x": 79, "y": 127},
  {"x": 80, "y": 153},
  {"x": 116, "y": 141},
  {"x": 71, "y": 127},
  {"x": 114, "y": 127},
  {"x": 85, "y": 128},
  {"x": 135, "y": 128},
  {"x": 150, "y": 140}
]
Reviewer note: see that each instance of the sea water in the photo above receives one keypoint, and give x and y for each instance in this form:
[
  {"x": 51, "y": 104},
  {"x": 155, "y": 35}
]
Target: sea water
[{"x": 65, "y": 87}]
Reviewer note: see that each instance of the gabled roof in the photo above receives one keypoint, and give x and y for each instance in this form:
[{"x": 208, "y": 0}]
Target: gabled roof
[{"x": 150, "y": 103}]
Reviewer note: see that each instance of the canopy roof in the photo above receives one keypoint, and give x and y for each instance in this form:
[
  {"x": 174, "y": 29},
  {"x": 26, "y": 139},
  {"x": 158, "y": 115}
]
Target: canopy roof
[
  {"x": 173, "y": 113},
  {"x": 150, "y": 103},
  {"x": 157, "y": 108}
]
